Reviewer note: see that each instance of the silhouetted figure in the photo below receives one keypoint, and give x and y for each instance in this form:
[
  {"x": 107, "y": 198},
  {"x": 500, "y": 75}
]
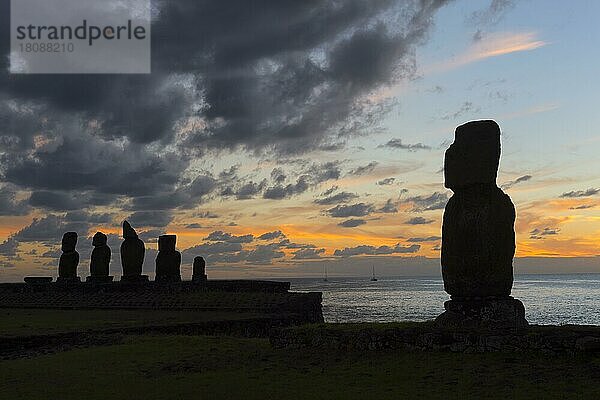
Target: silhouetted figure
[
  {"x": 100, "y": 260},
  {"x": 168, "y": 260},
  {"x": 478, "y": 237},
  {"x": 69, "y": 259},
  {"x": 199, "y": 270},
  {"x": 132, "y": 255}
]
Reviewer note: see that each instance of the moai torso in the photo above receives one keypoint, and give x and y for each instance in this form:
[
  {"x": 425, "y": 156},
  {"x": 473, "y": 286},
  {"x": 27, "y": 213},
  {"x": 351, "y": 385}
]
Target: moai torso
[{"x": 168, "y": 259}]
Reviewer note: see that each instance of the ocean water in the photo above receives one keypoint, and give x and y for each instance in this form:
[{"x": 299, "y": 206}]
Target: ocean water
[{"x": 548, "y": 299}]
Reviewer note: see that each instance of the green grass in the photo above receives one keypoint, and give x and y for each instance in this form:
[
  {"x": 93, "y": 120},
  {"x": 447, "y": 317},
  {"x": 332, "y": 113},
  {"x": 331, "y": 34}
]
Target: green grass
[
  {"x": 200, "y": 367},
  {"x": 20, "y": 322}
]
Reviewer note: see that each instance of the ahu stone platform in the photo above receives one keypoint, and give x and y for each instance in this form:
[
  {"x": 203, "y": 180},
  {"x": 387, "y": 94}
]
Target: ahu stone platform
[{"x": 249, "y": 296}]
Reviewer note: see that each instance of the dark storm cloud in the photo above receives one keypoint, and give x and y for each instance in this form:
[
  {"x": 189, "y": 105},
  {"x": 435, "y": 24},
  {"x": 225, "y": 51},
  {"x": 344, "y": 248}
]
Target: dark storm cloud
[
  {"x": 308, "y": 254},
  {"x": 520, "y": 179},
  {"x": 341, "y": 197},
  {"x": 581, "y": 193},
  {"x": 263, "y": 76},
  {"x": 9, "y": 205},
  {"x": 397, "y": 144},
  {"x": 220, "y": 236},
  {"x": 352, "y": 223},
  {"x": 434, "y": 201},
  {"x": 352, "y": 210},
  {"x": 151, "y": 218},
  {"x": 419, "y": 221},
  {"x": 372, "y": 250},
  {"x": 50, "y": 229}
]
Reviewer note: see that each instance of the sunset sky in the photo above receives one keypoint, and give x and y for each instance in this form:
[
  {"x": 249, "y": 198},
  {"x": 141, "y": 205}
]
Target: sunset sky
[{"x": 277, "y": 138}]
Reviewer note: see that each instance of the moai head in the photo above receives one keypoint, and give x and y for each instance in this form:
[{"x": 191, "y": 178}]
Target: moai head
[
  {"x": 167, "y": 242},
  {"x": 69, "y": 241},
  {"x": 474, "y": 156},
  {"x": 99, "y": 239},
  {"x": 128, "y": 231}
]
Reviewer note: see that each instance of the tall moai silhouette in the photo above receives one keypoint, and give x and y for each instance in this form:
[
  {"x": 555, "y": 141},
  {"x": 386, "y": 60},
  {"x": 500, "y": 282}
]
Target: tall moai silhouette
[
  {"x": 478, "y": 237},
  {"x": 199, "y": 270},
  {"x": 69, "y": 259},
  {"x": 168, "y": 260},
  {"x": 100, "y": 260},
  {"x": 132, "y": 255}
]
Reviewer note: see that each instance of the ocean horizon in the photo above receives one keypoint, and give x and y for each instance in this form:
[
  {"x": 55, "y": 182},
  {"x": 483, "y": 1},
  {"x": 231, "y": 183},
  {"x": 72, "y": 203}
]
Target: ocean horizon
[{"x": 549, "y": 299}]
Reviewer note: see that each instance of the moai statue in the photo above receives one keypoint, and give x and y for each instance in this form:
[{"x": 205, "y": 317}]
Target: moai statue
[
  {"x": 168, "y": 260},
  {"x": 69, "y": 259},
  {"x": 100, "y": 260},
  {"x": 478, "y": 237},
  {"x": 199, "y": 270},
  {"x": 132, "y": 255}
]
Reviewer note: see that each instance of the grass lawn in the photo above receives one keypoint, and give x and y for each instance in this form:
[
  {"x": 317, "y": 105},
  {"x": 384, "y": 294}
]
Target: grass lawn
[
  {"x": 19, "y": 322},
  {"x": 201, "y": 367}
]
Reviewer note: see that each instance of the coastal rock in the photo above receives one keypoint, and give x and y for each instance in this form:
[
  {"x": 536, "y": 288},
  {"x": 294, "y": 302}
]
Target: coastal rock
[
  {"x": 132, "y": 253},
  {"x": 199, "y": 270},
  {"x": 168, "y": 260},
  {"x": 69, "y": 259}
]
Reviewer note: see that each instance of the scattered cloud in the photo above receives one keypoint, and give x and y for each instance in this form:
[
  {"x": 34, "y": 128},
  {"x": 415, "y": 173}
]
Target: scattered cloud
[
  {"x": 512, "y": 183},
  {"x": 353, "y": 210},
  {"x": 397, "y": 144},
  {"x": 419, "y": 221},
  {"x": 352, "y": 223},
  {"x": 372, "y": 250},
  {"x": 581, "y": 193}
]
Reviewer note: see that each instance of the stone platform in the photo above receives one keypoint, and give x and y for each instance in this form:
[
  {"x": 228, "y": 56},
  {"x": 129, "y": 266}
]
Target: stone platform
[
  {"x": 264, "y": 297},
  {"x": 489, "y": 312}
]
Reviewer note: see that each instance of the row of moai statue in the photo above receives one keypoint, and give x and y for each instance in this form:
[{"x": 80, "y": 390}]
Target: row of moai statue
[{"x": 133, "y": 250}]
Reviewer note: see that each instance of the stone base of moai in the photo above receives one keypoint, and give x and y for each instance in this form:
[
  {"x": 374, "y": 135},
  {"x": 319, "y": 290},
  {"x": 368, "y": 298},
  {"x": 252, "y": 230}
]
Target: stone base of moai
[
  {"x": 134, "y": 278},
  {"x": 483, "y": 312},
  {"x": 167, "y": 278},
  {"x": 99, "y": 279},
  {"x": 199, "y": 278},
  {"x": 38, "y": 280},
  {"x": 71, "y": 280}
]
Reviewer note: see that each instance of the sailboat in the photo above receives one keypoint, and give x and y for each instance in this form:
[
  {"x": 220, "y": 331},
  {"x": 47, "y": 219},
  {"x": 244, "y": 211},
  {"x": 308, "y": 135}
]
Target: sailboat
[
  {"x": 325, "y": 275},
  {"x": 373, "y": 279}
]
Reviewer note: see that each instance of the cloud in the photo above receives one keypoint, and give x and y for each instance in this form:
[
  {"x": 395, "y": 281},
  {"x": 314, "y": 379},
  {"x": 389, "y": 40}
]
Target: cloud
[
  {"x": 150, "y": 218},
  {"x": 363, "y": 170},
  {"x": 271, "y": 235},
  {"x": 581, "y": 193},
  {"x": 389, "y": 207},
  {"x": 8, "y": 248},
  {"x": 465, "y": 108},
  {"x": 539, "y": 233},
  {"x": 9, "y": 205},
  {"x": 352, "y": 223},
  {"x": 220, "y": 236},
  {"x": 386, "y": 181},
  {"x": 308, "y": 254},
  {"x": 520, "y": 179},
  {"x": 424, "y": 239},
  {"x": 372, "y": 250},
  {"x": 434, "y": 201},
  {"x": 491, "y": 45},
  {"x": 341, "y": 197},
  {"x": 492, "y": 14},
  {"x": 264, "y": 254},
  {"x": 397, "y": 144},
  {"x": 419, "y": 221},
  {"x": 353, "y": 210},
  {"x": 583, "y": 207}
]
